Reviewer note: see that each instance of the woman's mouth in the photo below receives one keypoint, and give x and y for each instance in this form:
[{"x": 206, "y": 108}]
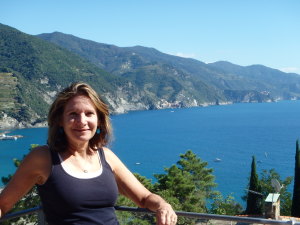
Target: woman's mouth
[{"x": 81, "y": 130}]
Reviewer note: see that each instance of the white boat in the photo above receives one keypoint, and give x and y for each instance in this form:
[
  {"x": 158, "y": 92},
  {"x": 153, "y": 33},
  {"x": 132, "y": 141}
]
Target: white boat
[
  {"x": 3, "y": 136},
  {"x": 218, "y": 160}
]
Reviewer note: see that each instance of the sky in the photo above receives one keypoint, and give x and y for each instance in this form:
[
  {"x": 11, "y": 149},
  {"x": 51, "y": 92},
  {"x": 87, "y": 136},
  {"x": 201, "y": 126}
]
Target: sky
[{"x": 243, "y": 32}]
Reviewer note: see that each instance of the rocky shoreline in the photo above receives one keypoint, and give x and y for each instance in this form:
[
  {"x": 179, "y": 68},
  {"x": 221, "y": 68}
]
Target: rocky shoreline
[
  {"x": 7, "y": 122},
  {"x": 11, "y": 123}
]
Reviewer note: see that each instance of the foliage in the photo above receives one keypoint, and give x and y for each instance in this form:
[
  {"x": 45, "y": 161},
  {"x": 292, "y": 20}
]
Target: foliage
[
  {"x": 30, "y": 200},
  {"x": 266, "y": 188},
  {"x": 43, "y": 65},
  {"x": 295, "y": 210},
  {"x": 7, "y": 92},
  {"x": 187, "y": 185},
  {"x": 254, "y": 201},
  {"x": 40, "y": 69},
  {"x": 125, "y": 218},
  {"x": 149, "y": 68},
  {"x": 225, "y": 206}
]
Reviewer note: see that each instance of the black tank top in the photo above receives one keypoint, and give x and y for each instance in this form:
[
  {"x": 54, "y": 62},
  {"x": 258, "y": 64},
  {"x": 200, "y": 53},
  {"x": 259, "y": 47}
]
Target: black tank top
[{"x": 70, "y": 200}]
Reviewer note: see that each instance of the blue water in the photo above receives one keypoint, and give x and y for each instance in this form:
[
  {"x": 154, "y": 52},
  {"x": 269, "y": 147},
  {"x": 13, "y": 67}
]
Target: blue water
[{"x": 233, "y": 133}]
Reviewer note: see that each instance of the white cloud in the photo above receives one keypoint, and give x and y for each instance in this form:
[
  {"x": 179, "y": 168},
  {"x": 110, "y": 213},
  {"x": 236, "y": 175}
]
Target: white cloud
[{"x": 291, "y": 70}]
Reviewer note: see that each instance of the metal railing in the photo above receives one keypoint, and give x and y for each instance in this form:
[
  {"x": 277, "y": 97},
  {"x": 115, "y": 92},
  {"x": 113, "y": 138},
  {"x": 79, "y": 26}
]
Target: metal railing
[
  {"x": 206, "y": 216},
  {"x": 38, "y": 210}
]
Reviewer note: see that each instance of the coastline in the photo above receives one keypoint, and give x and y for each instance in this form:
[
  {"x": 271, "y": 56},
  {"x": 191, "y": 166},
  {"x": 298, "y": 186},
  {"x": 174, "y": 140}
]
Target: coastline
[{"x": 8, "y": 123}]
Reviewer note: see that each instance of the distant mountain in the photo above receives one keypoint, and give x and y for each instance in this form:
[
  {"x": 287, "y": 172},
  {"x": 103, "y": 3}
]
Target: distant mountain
[
  {"x": 151, "y": 71},
  {"x": 34, "y": 68},
  {"x": 32, "y": 71},
  {"x": 261, "y": 78},
  {"x": 227, "y": 81}
]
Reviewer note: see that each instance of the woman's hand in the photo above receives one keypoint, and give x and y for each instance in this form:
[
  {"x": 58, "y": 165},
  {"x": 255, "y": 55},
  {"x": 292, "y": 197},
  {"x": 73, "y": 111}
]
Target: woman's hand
[{"x": 165, "y": 215}]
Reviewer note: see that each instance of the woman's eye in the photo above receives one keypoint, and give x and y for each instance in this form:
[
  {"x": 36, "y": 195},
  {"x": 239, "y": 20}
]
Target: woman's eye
[{"x": 89, "y": 113}]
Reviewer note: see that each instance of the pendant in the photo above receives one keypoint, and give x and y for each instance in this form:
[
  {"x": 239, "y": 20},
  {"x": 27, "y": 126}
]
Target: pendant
[{"x": 85, "y": 171}]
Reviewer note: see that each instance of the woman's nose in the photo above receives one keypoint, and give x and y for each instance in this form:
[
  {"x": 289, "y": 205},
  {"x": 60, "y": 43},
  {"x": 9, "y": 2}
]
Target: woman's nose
[{"x": 81, "y": 118}]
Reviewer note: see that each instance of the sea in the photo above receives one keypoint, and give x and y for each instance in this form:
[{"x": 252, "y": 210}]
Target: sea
[{"x": 225, "y": 136}]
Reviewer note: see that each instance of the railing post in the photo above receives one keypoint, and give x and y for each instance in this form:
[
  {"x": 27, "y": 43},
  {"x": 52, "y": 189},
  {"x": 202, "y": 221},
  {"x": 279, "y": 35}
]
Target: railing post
[{"x": 41, "y": 218}]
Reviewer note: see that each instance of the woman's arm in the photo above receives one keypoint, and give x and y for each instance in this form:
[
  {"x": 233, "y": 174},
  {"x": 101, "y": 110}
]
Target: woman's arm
[
  {"x": 133, "y": 189},
  {"x": 34, "y": 169},
  {"x": 164, "y": 211}
]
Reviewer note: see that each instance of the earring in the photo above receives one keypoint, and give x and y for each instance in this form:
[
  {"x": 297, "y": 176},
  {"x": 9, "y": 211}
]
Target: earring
[{"x": 98, "y": 131}]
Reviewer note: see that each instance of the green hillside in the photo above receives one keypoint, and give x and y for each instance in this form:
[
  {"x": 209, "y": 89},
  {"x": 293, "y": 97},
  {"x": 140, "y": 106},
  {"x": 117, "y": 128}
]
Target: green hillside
[
  {"x": 146, "y": 68},
  {"x": 36, "y": 70},
  {"x": 224, "y": 81},
  {"x": 8, "y": 92}
]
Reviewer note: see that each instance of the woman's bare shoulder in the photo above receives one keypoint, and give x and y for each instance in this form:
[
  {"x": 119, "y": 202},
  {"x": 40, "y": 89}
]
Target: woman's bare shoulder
[
  {"x": 110, "y": 154},
  {"x": 111, "y": 158},
  {"x": 38, "y": 158},
  {"x": 41, "y": 151},
  {"x": 107, "y": 150}
]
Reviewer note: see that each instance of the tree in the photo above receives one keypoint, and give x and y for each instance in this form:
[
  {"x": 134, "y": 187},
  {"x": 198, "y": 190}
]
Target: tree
[
  {"x": 285, "y": 196},
  {"x": 254, "y": 201},
  {"x": 187, "y": 185},
  {"x": 129, "y": 218},
  {"x": 295, "y": 211},
  {"x": 225, "y": 206}
]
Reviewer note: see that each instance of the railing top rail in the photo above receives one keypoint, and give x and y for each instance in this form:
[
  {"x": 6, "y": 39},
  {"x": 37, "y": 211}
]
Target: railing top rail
[
  {"x": 21, "y": 213},
  {"x": 179, "y": 213},
  {"x": 213, "y": 216}
]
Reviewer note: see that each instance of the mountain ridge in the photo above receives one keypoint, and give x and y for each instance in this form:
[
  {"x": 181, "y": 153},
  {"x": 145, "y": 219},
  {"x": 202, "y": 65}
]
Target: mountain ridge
[
  {"x": 128, "y": 78},
  {"x": 222, "y": 76}
]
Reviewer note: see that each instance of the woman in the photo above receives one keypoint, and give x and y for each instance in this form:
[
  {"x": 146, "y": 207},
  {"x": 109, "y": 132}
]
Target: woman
[{"x": 78, "y": 179}]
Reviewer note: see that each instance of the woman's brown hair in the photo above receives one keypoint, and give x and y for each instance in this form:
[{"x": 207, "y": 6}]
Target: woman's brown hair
[{"x": 57, "y": 140}]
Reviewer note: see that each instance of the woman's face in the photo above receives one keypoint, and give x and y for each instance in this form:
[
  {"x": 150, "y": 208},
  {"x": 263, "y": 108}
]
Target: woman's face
[{"x": 80, "y": 120}]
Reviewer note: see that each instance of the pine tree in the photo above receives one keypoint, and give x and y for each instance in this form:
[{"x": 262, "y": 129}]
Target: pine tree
[
  {"x": 254, "y": 201},
  {"x": 296, "y": 195},
  {"x": 187, "y": 185}
]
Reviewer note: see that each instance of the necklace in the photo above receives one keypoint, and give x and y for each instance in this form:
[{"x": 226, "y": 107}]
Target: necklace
[
  {"x": 86, "y": 168},
  {"x": 87, "y": 164}
]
